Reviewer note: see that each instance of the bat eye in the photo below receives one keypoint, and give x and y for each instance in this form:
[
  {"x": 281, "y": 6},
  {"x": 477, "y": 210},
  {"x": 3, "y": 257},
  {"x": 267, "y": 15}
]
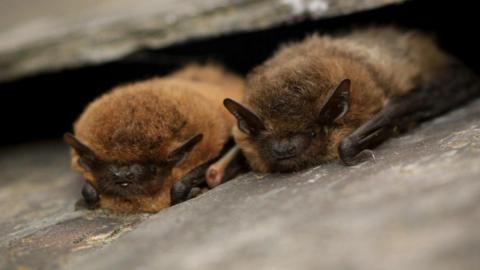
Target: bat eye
[{"x": 313, "y": 134}]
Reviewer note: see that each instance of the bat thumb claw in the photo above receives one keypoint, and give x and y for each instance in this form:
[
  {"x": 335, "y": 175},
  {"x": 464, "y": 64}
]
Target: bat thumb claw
[{"x": 363, "y": 156}]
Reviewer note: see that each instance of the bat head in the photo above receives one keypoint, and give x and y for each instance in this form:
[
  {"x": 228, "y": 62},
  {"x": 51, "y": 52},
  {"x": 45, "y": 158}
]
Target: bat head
[
  {"x": 291, "y": 131},
  {"x": 129, "y": 178}
]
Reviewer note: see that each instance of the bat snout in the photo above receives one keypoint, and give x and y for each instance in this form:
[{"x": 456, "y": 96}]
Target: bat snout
[
  {"x": 288, "y": 148},
  {"x": 282, "y": 150},
  {"x": 284, "y": 154},
  {"x": 125, "y": 179}
]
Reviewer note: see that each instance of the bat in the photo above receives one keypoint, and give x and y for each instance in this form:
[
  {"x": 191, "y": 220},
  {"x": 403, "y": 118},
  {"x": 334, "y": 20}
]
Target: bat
[
  {"x": 135, "y": 143},
  {"x": 337, "y": 97}
]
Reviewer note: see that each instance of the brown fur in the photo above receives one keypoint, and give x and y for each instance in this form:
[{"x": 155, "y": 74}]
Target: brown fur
[
  {"x": 145, "y": 121},
  {"x": 285, "y": 90}
]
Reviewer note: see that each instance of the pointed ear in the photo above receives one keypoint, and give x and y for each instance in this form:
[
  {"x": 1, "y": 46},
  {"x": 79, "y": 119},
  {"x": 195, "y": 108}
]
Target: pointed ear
[
  {"x": 179, "y": 154},
  {"x": 336, "y": 104},
  {"x": 248, "y": 121},
  {"x": 87, "y": 157}
]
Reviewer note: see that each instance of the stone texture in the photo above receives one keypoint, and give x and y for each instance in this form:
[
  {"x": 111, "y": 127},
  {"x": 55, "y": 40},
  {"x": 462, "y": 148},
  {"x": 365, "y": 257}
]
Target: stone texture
[
  {"x": 39, "y": 225},
  {"x": 42, "y": 35},
  {"x": 417, "y": 206}
]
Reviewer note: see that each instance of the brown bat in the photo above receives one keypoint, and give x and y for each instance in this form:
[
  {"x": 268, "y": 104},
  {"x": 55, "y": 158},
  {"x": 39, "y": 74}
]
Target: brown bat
[
  {"x": 331, "y": 97},
  {"x": 133, "y": 144}
]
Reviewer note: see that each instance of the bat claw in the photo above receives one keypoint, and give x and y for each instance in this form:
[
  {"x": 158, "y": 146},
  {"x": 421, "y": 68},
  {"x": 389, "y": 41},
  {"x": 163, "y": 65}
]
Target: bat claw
[
  {"x": 363, "y": 156},
  {"x": 370, "y": 154},
  {"x": 194, "y": 192}
]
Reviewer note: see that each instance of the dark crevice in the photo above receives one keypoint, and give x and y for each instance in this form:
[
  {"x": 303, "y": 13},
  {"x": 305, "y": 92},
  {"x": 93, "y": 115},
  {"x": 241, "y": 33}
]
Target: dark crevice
[{"x": 44, "y": 106}]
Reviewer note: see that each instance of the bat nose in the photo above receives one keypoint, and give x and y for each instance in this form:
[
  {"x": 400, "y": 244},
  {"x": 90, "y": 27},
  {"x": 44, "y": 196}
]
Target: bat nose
[
  {"x": 123, "y": 176},
  {"x": 284, "y": 149}
]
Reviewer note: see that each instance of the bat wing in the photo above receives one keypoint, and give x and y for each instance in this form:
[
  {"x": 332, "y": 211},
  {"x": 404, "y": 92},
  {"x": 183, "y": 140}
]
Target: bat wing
[{"x": 448, "y": 88}]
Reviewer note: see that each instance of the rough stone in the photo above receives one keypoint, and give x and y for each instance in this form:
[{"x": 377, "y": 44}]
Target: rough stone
[
  {"x": 40, "y": 224},
  {"x": 42, "y": 35},
  {"x": 416, "y": 206}
]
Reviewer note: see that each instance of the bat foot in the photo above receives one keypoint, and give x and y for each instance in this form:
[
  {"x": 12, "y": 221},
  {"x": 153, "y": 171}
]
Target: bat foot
[
  {"x": 211, "y": 173},
  {"x": 194, "y": 192},
  {"x": 369, "y": 154},
  {"x": 351, "y": 153},
  {"x": 90, "y": 196},
  {"x": 181, "y": 192},
  {"x": 363, "y": 156}
]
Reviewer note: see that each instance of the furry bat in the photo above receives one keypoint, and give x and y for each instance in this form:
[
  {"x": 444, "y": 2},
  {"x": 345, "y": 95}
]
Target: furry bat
[
  {"x": 331, "y": 97},
  {"x": 134, "y": 143}
]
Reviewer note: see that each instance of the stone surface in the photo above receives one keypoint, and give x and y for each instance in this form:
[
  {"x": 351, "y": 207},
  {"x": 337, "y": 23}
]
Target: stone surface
[
  {"x": 39, "y": 226},
  {"x": 417, "y": 206},
  {"x": 42, "y": 35}
]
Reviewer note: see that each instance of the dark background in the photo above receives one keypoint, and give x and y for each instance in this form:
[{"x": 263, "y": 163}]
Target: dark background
[{"x": 45, "y": 106}]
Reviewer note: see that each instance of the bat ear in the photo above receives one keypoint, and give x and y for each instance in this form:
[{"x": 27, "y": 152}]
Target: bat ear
[
  {"x": 179, "y": 154},
  {"x": 336, "y": 104},
  {"x": 87, "y": 157},
  {"x": 248, "y": 121}
]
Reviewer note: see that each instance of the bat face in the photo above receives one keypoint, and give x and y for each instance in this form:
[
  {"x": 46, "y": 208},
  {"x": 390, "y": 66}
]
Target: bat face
[
  {"x": 131, "y": 179},
  {"x": 126, "y": 179},
  {"x": 292, "y": 142},
  {"x": 285, "y": 153}
]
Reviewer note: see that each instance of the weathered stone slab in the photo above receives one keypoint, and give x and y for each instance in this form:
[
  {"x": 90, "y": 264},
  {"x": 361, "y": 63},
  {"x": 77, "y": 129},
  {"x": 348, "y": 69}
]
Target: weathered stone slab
[
  {"x": 39, "y": 226},
  {"x": 416, "y": 207},
  {"x": 44, "y": 35}
]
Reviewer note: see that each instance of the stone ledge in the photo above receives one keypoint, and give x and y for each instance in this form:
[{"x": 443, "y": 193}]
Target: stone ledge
[{"x": 51, "y": 35}]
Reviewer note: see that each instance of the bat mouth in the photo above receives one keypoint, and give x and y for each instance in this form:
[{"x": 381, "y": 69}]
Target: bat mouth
[
  {"x": 123, "y": 184},
  {"x": 285, "y": 164},
  {"x": 286, "y": 157},
  {"x": 291, "y": 163},
  {"x": 121, "y": 187}
]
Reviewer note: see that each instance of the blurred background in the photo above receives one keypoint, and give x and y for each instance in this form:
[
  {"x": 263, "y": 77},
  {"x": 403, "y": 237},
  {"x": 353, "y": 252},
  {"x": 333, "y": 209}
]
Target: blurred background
[{"x": 56, "y": 56}]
